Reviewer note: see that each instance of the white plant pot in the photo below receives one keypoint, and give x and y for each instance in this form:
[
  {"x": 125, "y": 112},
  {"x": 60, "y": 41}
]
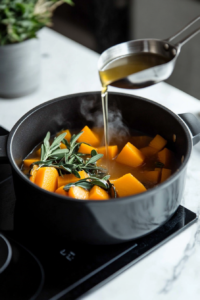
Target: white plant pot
[{"x": 19, "y": 68}]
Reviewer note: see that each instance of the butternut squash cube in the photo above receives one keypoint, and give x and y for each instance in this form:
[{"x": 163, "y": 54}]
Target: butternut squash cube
[
  {"x": 152, "y": 176},
  {"x": 86, "y": 149},
  {"x": 130, "y": 156},
  {"x": 78, "y": 192},
  {"x": 30, "y": 161},
  {"x": 128, "y": 185},
  {"x": 159, "y": 170},
  {"x": 88, "y": 136},
  {"x": 33, "y": 173},
  {"x": 166, "y": 157},
  {"x": 67, "y": 136},
  {"x": 148, "y": 151},
  {"x": 158, "y": 142},
  {"x": 166, "y": 173},
  {"x": 70, "y": 178},
  {"x": 112, "y": 151},
  {"x": 47, "y": 178},
  {"x": 62, "y": 146},
  {"x": 61, "y": 191},
  {"x": 97, "y": 193}
]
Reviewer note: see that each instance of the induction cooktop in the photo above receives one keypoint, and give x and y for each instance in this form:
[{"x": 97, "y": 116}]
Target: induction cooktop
[{"x": 48, "y": 267}]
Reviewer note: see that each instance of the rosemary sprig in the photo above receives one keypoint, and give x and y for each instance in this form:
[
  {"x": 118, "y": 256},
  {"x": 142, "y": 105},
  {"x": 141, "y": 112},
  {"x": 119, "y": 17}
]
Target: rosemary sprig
[
  {"x": 69, "y": 160},
  {"x": 88, "y": 183}
]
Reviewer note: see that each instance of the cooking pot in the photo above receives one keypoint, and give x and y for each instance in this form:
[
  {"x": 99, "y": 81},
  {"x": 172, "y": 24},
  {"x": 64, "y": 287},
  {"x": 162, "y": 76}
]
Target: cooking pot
[{"x": 97, "y": 222}]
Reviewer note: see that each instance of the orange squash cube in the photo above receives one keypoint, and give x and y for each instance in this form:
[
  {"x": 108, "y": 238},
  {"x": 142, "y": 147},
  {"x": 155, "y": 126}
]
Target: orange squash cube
[
  {"x": 28, "y": 162},
  {"x": 33, "y": 173},
  {"x": 97, "y": 193},
  {"x": 47, "y": 178},
  {"x": 70, "y": 178},
  {"x": 148, "y": 151},
  {"x": 88, "y": 136},
  {"x": 78, "y": 192},
  {"x": 62, "y": 146},
  {"x": 166, "y": 173},
  {"x": 152, "y": 176},
  {"x": 130, "y": 156},
  {"x": 61, "y": 191},
  {"x": 128, "y": 185},
  {"x": 159, "y": 170},
  {"x": 166, "y": 157},
  {"x": 158, "y": 142},
  {"x": 112, "y": 151},
  {"x": 86, "y": 149}
]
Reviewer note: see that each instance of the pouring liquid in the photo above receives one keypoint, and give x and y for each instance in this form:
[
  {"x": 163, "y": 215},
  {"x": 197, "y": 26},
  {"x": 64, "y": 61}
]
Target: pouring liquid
[{"x": 120, "y": 68}]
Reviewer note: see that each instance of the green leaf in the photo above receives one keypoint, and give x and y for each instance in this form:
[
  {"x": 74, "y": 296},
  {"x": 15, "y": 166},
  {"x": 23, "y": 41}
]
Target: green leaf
[
  {"x": 76, "y": 173},
  {"x": 94, "y": 159},
  {"x": 41, "y": 162},
  {"x": 66, "y": 143},
  {"x": 106, "y": 177},
  {"x": 85, "y": 185},
  {"x": 70, "y": 2},
  {"x": 60, "y": 151},
  {"x": 58, "y": 140},
  {"x": 114, "y": 190},
  {"x": 101, "y": 183},
  {"x": 55, "y": 147},
  {"x": 71, "y": 160},
  {"x": 47, "y": 137},
  {"x": 93, "y": 153},
  {"x": 66, "y": 158},
  {"x": 79, "y": 159},
  {"x": 74, "y": 138},
  {"x": 42, "y": 152}
]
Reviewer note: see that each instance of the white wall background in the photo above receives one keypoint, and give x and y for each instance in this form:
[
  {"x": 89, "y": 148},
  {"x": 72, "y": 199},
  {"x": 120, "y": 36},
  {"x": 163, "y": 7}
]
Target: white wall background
[{"x": 161, "y": 19}]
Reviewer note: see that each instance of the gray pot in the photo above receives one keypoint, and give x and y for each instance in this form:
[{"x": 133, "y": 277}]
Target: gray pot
[{"x": 19, "y": 68}]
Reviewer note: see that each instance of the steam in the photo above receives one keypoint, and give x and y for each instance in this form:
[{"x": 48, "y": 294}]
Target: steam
[{"x": 117, "y": 129}]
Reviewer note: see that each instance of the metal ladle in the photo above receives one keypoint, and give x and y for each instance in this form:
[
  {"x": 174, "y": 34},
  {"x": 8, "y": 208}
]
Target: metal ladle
[{"x": 151, "y": 75}]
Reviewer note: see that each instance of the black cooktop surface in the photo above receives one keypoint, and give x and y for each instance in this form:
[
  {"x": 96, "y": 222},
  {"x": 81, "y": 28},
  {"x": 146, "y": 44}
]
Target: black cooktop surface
[{"x": 45, "y": 267}]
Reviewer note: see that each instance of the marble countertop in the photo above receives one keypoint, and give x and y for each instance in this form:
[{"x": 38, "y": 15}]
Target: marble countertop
[{"x": 172, "y": 271}]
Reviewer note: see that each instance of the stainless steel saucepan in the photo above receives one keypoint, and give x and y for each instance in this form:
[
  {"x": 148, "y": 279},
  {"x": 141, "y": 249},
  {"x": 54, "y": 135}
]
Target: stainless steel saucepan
[{"x": 151, "y": 75}]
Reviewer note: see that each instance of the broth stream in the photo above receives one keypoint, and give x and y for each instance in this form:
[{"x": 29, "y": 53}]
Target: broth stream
[{"x": 118, "y": 69}]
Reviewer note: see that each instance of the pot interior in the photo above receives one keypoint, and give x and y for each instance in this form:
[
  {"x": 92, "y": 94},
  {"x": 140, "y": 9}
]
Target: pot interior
[{"x": 76, "y": 111}]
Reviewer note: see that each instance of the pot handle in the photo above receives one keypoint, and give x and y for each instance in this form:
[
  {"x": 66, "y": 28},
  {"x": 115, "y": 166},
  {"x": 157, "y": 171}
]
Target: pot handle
[
  {"x": 194, "y": 125},
  {"x": 3, "y": 151}
]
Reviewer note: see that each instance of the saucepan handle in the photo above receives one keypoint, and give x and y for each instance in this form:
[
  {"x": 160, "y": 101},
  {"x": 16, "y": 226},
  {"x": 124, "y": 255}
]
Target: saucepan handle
[
  {"x": 194, "y": 125},
  {"x": 3, "y": 149},
  {"x": 187, "y": 38}
]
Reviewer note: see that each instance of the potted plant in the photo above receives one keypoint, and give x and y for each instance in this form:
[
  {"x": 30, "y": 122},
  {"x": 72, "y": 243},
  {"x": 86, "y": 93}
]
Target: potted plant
[{"x": 20, "y": 21}]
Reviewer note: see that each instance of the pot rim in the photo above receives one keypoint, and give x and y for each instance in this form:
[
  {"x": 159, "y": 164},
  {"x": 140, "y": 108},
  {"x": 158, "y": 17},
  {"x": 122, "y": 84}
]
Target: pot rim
[{"x": 131, "y": 198}]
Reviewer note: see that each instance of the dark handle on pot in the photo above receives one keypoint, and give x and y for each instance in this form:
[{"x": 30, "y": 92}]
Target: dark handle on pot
[
  {"x": 3, "y": 150},
  {"x": 194, "y": 125}
]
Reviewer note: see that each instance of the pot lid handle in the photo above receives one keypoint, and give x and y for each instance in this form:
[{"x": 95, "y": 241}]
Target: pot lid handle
[{"x": 194, "y": 125}]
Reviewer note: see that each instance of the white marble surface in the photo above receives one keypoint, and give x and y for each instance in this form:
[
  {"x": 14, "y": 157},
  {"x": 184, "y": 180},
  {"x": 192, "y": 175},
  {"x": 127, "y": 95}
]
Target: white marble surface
[{"x": 172, "y": 271}]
